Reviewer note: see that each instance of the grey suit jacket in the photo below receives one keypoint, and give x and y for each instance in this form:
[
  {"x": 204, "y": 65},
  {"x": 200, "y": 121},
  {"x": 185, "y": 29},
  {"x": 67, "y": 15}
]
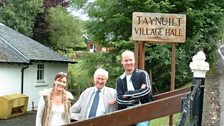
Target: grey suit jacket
[{"x": 79, "y": 109}]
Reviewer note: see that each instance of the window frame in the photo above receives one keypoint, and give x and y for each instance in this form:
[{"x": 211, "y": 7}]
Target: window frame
[{"x": 40, "y": 74}]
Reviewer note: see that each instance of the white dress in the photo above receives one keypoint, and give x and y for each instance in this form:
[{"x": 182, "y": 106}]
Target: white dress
[
  {"x": 57, "y": 118},
  {"x": 57, "y": 112}
]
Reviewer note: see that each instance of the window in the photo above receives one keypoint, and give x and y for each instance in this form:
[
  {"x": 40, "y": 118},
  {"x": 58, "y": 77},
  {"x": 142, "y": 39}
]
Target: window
[
  {"x": 41, "y": 77},
  {"x": 92, "y": 48},
  {"x": 40, "y": 72}
]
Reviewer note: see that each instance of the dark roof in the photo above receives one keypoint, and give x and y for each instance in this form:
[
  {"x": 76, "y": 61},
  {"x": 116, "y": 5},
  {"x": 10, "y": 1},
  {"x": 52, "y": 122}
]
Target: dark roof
[
  {"x": 18, "y": 48},
  {"x": 86, "y": 38},
  {"x": 9, "y": 55}
]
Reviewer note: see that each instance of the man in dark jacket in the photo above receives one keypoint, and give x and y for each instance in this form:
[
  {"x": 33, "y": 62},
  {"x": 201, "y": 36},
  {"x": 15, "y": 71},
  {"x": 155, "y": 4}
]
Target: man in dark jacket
[{"x": 133, "y": 86}]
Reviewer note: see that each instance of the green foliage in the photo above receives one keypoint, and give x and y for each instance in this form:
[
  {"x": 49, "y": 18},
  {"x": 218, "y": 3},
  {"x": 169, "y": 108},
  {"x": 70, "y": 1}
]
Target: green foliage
[
  {"x": 79, "y": 78},
  {"x": 78, "y": 3},
  {"x": 41, "y": 32},
  {"x": 64, "y": 29},
  {"x": 154, "y": 55},
  {"x": 98, "y": 60},
  {"x": 83, "y": 71},
  {"x": 111, "y": 21},
  {"x": 20, "y": 14}
]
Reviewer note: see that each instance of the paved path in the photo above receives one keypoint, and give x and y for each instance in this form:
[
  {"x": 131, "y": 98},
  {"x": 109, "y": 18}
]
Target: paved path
[
  {"x": 28, "y": 119},
  {"x": 220, "y": 65},
  {"x": 213, "y": 107}
]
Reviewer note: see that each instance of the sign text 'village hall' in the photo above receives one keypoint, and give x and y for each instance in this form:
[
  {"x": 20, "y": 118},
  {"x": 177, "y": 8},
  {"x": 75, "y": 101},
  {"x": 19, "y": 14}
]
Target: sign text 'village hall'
[{"x": 159, "y": 27}]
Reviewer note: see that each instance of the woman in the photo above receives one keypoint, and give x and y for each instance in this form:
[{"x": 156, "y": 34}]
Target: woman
[{"x": 54, "y": 104}]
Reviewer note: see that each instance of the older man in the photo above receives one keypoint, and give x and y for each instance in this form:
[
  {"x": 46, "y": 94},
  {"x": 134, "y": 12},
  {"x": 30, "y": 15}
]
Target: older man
[
  {"x": 133, "y": 86},
  {"x": 97, "y": 100}
]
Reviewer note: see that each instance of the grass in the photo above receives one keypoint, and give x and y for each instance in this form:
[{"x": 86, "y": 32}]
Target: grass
[{"x": 164, "y": 121}]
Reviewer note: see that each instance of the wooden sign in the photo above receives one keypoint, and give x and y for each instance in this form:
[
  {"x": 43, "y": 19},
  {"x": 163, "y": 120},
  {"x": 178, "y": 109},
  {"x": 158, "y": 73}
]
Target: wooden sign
[{"x": 159, "y": 27}]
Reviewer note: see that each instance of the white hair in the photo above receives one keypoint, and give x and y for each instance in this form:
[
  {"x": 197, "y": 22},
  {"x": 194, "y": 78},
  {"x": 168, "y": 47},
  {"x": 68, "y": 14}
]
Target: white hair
[
  {"x": 101, "y": 71},
  {"x": 127, "y": 52}
]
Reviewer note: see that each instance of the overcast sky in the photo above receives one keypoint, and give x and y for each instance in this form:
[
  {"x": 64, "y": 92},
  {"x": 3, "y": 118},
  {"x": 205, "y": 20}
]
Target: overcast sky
[{"x": 80, "y": 13}]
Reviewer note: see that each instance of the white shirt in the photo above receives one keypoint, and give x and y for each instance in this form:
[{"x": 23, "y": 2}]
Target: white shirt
[
  {"x": 101, "y": 108},
  {"x": 129, "y": 83},
  {"x": 130, "y": 86}
]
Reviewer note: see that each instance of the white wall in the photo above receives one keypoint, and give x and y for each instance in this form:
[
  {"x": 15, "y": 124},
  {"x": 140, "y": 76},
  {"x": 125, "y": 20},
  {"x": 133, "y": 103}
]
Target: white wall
[{"x": 10, "y": 80}]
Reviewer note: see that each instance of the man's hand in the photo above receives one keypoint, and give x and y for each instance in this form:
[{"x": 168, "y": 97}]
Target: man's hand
[{"x": 112, "y": 102}]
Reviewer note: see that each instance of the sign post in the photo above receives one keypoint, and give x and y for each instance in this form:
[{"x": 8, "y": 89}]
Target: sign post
[{"x": 158, "y": 28}]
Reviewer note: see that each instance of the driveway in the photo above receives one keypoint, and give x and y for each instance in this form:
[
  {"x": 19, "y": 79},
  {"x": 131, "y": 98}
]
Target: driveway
[
  {"x": 220, "y": 64},
  {"x": 28, "y": 119}
]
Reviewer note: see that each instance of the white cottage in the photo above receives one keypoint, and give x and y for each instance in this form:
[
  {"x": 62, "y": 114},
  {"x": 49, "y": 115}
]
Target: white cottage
[{"x": 26, "y": 66}]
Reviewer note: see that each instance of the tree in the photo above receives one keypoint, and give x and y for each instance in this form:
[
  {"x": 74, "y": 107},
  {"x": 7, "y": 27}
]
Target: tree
[
  {"x": 111, "y": 21},
  {"x": 64, "y": 29},
  {"x": 41, "y": 29},
  {"x": 20, "y": 14}
]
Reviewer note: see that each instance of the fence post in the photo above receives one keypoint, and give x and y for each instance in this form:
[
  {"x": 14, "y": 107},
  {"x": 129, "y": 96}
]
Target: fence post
[{"x": 199, "y": 68}]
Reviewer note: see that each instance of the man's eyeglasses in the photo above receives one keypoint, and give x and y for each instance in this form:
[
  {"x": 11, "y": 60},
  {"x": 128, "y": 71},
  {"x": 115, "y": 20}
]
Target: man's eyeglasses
[{"x": 62, "y": 73}]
